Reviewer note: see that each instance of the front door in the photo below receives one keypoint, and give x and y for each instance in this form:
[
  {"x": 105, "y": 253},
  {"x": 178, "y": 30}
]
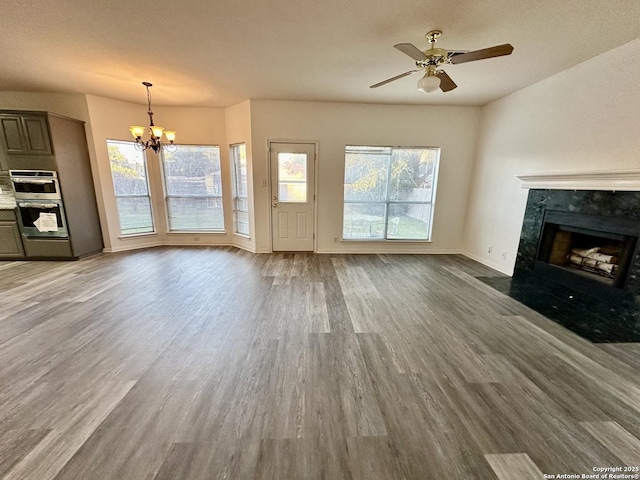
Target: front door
[{"x": 292, "y": 196}]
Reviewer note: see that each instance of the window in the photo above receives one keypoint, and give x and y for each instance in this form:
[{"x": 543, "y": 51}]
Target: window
[
  {"x": 129, "y": 173},
  {"x": 389, "y": 192},
  {"x": 240, "y": 201},
  {"x": 193, "y": 188},
  {"x": 292, "y": 177}
]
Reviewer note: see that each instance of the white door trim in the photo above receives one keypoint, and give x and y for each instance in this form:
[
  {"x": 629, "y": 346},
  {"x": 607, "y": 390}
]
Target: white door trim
[{"x": 315, "y": 143}]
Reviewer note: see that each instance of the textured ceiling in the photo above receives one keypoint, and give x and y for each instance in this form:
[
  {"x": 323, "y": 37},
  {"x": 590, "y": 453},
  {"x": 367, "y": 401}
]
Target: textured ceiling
[{"x": 218, "y": 53}]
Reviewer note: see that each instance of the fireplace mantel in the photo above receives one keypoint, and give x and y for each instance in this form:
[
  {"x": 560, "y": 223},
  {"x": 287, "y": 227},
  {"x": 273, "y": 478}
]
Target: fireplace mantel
[{"x": 612, "y": 180}]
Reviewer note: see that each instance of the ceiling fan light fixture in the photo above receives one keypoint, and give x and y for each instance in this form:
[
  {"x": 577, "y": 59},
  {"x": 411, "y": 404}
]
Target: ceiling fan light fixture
[{"x": 429, "y": 83}]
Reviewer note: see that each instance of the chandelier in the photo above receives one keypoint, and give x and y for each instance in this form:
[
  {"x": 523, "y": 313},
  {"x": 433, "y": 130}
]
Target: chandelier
[{"x": 155, "y": 141}]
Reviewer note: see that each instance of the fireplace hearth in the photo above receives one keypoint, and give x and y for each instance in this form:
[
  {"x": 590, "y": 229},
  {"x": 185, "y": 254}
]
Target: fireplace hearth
[{"x": 578, "y": 262}]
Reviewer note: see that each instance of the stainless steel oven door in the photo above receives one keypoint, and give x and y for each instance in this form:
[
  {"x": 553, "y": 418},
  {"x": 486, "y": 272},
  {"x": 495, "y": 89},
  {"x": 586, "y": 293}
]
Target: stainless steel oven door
[
  {"x": 32, "y": 184},
  {"x": 42, "y": 219}
]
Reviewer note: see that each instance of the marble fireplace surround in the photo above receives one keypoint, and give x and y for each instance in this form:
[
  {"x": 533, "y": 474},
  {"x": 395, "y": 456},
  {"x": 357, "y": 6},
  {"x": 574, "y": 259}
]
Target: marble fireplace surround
[
  {"x": 607, "y": 194},
  {"x": 609, "y": 316}
]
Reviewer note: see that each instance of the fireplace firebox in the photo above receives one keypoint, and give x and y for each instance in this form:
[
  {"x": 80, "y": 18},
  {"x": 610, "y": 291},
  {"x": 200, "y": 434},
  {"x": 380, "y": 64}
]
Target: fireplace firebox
[{"x": 587, "y": 249}]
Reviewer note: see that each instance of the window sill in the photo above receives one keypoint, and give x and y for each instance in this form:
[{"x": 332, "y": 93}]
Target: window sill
[
  {"x": 197, "y": 232},
  {"x": 137, "y": 235},
  {"x": 383, "y": 240},
  {"x": 241, "y": 235}
]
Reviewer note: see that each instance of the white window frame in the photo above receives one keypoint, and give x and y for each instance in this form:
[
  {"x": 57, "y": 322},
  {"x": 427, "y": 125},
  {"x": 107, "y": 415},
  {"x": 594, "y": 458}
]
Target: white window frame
[
  {"x": 387, "y": 202},
  {"x": 167, "y": 196},
  {"x": 235, "y": 157},
  {"x": 148, "y": 194}
]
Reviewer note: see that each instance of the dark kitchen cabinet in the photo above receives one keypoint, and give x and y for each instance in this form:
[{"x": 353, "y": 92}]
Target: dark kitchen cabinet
[
  {"x": 49, "y": 142},
  {"x": 76, "y": 184},
  {"x": 25, "y": 141},
  {"x": 10, "y": 243},
  {"x": 25, "y": 134}
]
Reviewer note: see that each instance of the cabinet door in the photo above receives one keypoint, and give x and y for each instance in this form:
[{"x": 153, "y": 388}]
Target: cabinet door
[
  {"x": 25, "y": 134},
  {"x": 36, "y": 132},
  {"x": 10, "y": 243},
  {"x": 12, "y": 135}
]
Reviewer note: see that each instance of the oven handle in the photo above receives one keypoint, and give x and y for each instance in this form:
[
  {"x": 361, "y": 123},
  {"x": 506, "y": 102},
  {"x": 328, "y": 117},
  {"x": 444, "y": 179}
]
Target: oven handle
[
  {"x": 38, "y": 205},
  {"x": 32, "y": 180}
]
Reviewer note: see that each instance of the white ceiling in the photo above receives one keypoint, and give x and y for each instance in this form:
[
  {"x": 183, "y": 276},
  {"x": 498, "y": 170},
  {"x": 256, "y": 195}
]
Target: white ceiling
[{"x": 218, "y": 53}]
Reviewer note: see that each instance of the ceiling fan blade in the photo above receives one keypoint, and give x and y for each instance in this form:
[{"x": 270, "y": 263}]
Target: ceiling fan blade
[
  {"x": 446, "y": 83},
  {"x": 389, "y": 80},
  {"x": 411, "y": 50},
  {"x": 497, "y": 51}
]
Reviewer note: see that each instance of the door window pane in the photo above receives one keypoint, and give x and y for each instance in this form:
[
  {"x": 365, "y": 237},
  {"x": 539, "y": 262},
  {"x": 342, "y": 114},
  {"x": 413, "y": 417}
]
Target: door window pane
[
  {"x": 292, "y": 177},
  {"x": 130, "y": 184}
]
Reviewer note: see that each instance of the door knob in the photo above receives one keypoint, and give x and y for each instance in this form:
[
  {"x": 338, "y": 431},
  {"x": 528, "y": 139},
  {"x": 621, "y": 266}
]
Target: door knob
[
  {"x": 274, "y": 197},
  {"x": 275, "y": 205}
]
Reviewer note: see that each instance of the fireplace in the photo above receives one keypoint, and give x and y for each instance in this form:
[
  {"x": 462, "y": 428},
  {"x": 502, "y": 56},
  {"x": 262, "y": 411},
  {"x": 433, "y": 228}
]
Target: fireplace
[
  {"x": 587, "y": 250},
  {"x": 578, "y": 261}
]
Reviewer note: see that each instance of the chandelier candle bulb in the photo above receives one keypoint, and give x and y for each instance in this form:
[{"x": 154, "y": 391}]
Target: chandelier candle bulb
[
  {"x": 157, "y": 131},
  {"x": 137, "y": 131},
  {"x": 170, "y": 134}
]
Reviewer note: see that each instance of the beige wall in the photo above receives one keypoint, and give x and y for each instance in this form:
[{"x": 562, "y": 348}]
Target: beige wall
[
  {"x": 238, "y": 127},
  {"x": 72, "y": 105},
  {"x": 334, "y": 125},
  {"x": 583, "y": 119},
  {"x": 110, "y": 119},
  {"x": 331, "y": 125}
]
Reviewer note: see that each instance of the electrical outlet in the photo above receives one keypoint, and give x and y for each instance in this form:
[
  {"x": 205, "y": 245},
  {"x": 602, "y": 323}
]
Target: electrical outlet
[
  {"x": 335, "y": 239},
  {"x": 503, "y": 255},
  {"x": 196, "y": 239},
  {"x": 490, "y": 249}
]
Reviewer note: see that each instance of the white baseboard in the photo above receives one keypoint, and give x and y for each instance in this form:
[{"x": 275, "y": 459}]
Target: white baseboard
[
  {"x": 346, "y": 250},
  {"x": 137, "y": 246},
  {"x": 500, "y": 267}
]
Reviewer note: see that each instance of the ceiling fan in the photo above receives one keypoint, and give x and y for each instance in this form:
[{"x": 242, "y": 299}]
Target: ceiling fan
[{"x": 430, "y": 60}]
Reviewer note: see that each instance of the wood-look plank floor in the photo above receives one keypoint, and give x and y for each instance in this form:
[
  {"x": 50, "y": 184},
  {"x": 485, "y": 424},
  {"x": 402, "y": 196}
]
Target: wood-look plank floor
[{"x": 214, "y": 363}]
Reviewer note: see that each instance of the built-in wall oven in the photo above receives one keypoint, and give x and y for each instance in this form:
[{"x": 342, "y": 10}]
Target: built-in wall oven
[
  {"x": 35, "y": 184},
  {"x": 40, "y": 207}
]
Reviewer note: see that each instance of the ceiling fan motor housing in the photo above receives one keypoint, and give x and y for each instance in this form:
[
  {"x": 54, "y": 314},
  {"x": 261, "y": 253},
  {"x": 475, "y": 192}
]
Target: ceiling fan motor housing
[{"x": 435, "y": 56}]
